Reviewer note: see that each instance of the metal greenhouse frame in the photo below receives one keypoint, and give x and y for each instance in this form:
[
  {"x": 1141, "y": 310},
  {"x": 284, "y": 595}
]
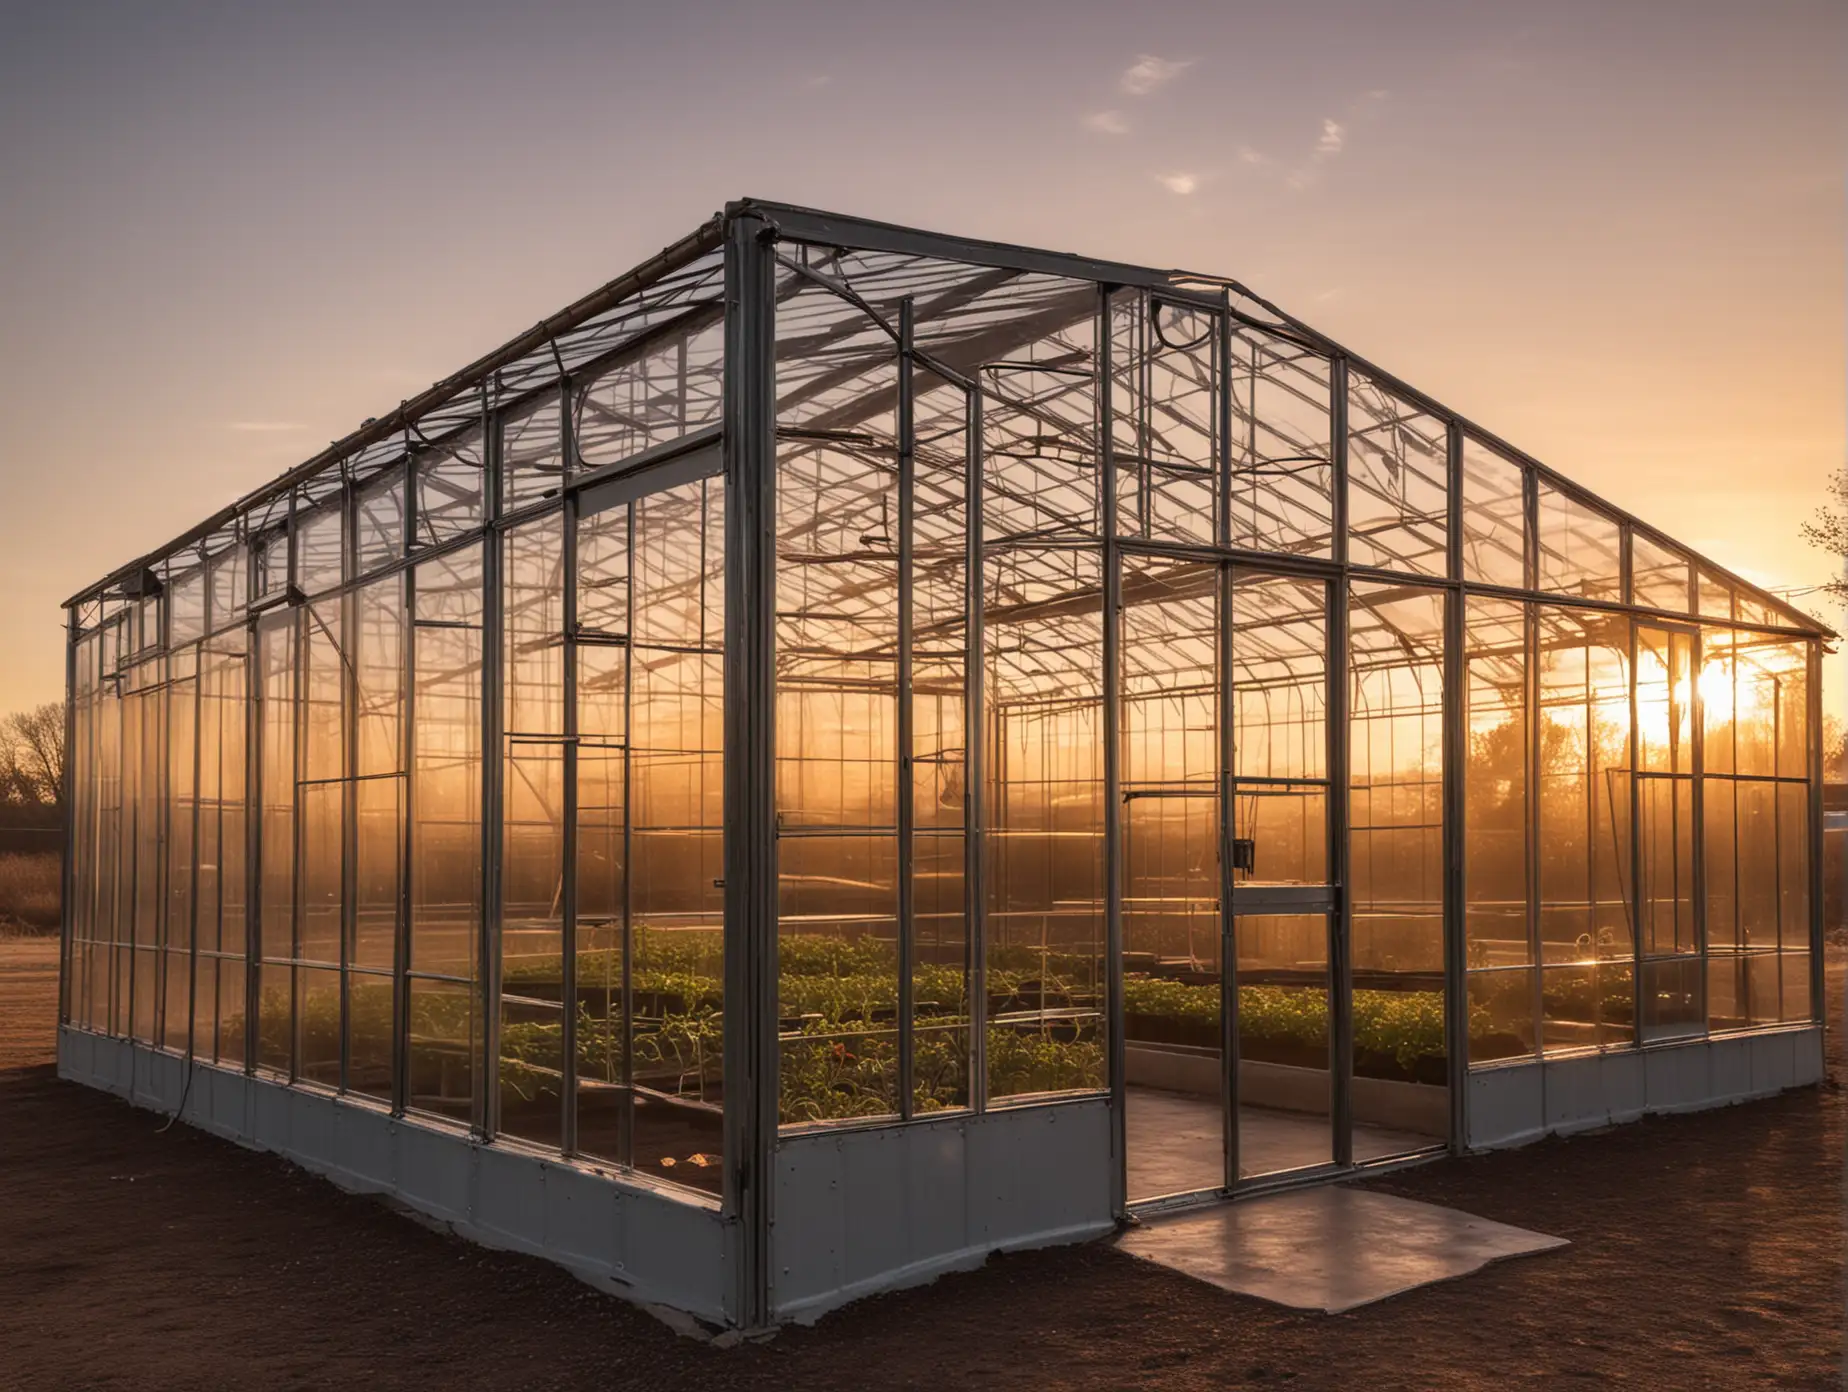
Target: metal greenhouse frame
[{"x": 848, "y": 749}]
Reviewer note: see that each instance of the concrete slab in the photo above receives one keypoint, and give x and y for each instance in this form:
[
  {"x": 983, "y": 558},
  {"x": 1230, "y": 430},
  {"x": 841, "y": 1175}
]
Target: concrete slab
[
  {"x": 1177, "y": 1143},
  {"x": 1332, "y": 1248}
]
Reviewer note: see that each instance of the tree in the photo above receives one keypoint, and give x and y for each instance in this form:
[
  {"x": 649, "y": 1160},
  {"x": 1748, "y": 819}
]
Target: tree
[
  {"x": 1828, "y": 531},
  {"x": 32, "y": 757}
]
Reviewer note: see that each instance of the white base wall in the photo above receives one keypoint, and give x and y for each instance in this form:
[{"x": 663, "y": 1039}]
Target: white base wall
[
  {"x": 639, "y": 1243},
  {"x": 1512, "y": 1104},
  {"x": 865, "y": 1210}
]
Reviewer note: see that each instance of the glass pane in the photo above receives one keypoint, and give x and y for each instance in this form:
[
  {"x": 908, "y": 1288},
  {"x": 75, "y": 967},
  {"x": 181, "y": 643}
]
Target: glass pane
[
  {"x": 1495, "y": 798},
  {"x": 320, "y": 547},
  {"x": 1494, "y": 517},
  {"x": 1580, "y": 548},
  {"x": 1282, "y": 480},
  {"x": 532, "y": 452},
  {"x": 1164, "y": 366},
  {"x": 378, "y": 537},
  {"x": 1658, "y": 575},
  {"x": 1398, "y": 460},
  {"x": 442, "y": 1048},
  {"x": 1396, "y": 869},
  {"x": 449, "y": 488},
  {"x": 1283, "y": 1045},
  {"x": 532, "y": 944},
  {"x": 671, "y": 388},
  {"x": 676, "y": 847}
]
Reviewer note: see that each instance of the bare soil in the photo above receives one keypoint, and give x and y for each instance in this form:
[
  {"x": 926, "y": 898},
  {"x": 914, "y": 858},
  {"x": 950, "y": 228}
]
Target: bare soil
[{"x": 1707, "y": 1253}]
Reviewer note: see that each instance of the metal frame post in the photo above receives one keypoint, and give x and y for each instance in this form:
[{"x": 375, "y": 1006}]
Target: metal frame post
[
  {"x": 493, "y": 769},
  {"x": 67, "y": 928},
  {"x": 975, "y": 761},
  {"x": 1113, "y": 774},
  {"x": 1456, "y": 782},
  {"x": 750, "y": 755},
  {"x": 1341, "y": 921},
  {"x": 903, "y": 723}
]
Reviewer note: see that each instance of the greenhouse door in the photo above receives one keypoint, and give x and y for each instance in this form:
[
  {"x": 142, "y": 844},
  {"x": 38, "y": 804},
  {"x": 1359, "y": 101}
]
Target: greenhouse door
[{"x": 1226, "y": 1014}]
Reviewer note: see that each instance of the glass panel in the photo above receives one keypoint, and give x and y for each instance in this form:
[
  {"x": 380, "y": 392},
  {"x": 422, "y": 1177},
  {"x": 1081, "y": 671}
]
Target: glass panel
[
  {"x": 1164, "y": 367},
  {"x": 186, "y": 608},
  {"x": 449, "y": 488},
  {"x": 1283, "y": 1046},
  {"x": 1398, "y": 460},
  {"x": 369, "y": 1034},
  {"x": 446, "y": 796},
  {"x": 1580, "y": 548},
  {"x": 1280, "y": 730},
  {"x": 676, "y": 865},
  {"x": 532, "y": 944},
  {"x": 378, "y": 537},
  {"x": 1672, "y": 998},
  {"x": 1282, "y": 480},
  {"x": 1715, "y": 597},
  {"x": 1495, "y": 831},
  {"x": 671, "y": 388},
  {"x": 534, "y": 620},
  {"x": 1494, "y": 517},
  {"x": 1046, "y": 921},
  {"x": 532, "y": 452},
  {"x": 229, "y": 571},
  {"x": 276, "y": 640},
  {"x": 1396, "y": 867},
  {"x": 1658, "y": 575},
  {"x": 443, "y": 1030},
  {"x": 320, "y": 547},
  {"x": 181, "y": 755},
  {"x": 442, "y": 1046},
  {"x": 1501, "y": 1014},
  {"x": 317, "y": 1018},
  {"x": 1173, "y": 941},
  {"x": 1584, "y": 824}
]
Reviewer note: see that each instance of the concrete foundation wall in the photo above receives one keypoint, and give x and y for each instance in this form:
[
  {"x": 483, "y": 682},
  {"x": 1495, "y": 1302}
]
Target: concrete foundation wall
[
  {"x": 858, "y": 1211},
  {"x": 639, "y": 1243},
  {"x": 1511, "y": 1104}
]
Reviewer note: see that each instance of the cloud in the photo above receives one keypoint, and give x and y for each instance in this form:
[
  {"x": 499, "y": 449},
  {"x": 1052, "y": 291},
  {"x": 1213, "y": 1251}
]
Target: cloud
[
  {"x": 1180, "y": 181},
  {"x": 263, "y": 427},
  {"x": 1107, "y": 122},
  {"x": 1150, "y": 74},
  {"x": 1334, "y": 134},
  {"x": 1257, "y": 159}
]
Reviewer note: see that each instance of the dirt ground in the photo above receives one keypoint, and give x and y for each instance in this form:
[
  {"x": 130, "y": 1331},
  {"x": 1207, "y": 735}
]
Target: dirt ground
[{"x": 1707, "y": 1253}]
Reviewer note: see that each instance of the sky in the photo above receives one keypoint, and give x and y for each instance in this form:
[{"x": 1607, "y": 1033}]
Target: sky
[{"x": 1611, "y": 231}]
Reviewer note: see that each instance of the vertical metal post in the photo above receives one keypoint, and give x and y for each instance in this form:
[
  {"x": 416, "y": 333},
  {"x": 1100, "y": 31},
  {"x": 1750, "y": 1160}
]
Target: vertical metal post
[
  {"x": 907, "y": 831},
  {"x": 1530, "y": 626},
  {"x": 975, "y": 762},
  {"x": 1341, "y": 922},
  {"x": 253, "y": 837},
  {"x": 1813, "y": 767},
  {"x": 1111, "y": 735},
  {"x": 750, "y": 755},
  {"x": 1227, "y": 810},
  {"x": 198, "y": 798},
  {"x": 66, "y": 865},
  {"x": 1456, "y": 782},
  {"x": 407, "y": 831},
  {"x": 626, "y": 1126},
  {"x": 568, "y": 861},
  {"x": 1636, "y": 844},
  {"x": 349, "y": 788},
  {"x": 493, "y": 773}
]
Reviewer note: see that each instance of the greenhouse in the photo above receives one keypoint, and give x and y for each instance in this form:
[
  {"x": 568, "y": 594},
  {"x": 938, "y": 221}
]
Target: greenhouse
[{"x": 849, "y": 749}]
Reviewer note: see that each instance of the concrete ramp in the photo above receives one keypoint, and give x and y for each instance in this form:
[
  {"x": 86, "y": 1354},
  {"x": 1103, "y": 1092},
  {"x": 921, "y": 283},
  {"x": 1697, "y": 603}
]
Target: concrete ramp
[{"x": 1331, "y": 1248}]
